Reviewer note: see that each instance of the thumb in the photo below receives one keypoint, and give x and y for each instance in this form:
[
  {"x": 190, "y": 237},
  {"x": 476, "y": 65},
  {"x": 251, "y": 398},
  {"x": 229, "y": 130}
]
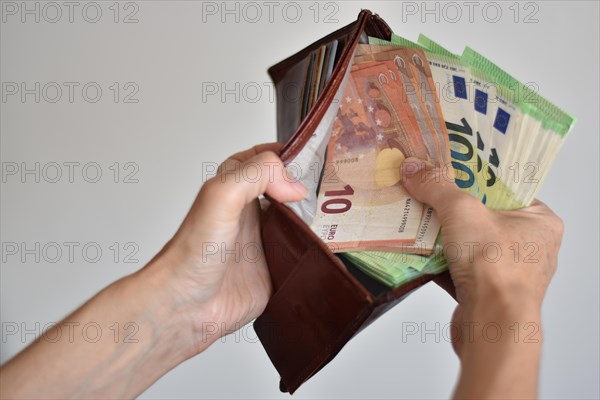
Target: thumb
[
  {"x": 239, "y": 183},
  {"x": 431, "y": 185}
]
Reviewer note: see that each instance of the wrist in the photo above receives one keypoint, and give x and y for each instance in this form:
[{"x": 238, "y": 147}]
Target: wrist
[
  {"x": 504, "y": 327},
  {"x": 512, "y": 301},
  {"x": 185, "y": 304},
  {"x": 502, "y": 317},
  {"x": 500, "y": 291},
  {"x": 166, "y": 313}
]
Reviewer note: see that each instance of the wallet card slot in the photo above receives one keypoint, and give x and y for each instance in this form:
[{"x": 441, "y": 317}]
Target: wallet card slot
[
  {"x": 278, "y": 71},
  {"x": 290, "y": 99},
  {"x": 296, "y": 114},
  {"x": 308, "y": 164},
  {"x": 310, "y": 123},
  {"x": 302, "y": 84}
]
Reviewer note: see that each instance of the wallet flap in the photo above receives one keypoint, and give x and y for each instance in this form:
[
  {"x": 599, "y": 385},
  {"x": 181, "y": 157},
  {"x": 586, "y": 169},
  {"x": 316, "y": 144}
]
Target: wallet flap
[
  {"x": 315, "y": 310},
  {"x": 287, "y": 239}
]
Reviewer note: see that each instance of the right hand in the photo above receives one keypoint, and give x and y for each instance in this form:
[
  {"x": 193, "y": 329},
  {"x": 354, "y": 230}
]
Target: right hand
[{"x": 497, "y": 259}]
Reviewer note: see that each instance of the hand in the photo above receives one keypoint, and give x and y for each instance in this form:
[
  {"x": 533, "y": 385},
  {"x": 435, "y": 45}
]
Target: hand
[
  {"x": 500, "y": 263},
  {"x": 204, "y": 283},
  {"x": 499, "y": 256},
  {"x": 214, "y": 265}
]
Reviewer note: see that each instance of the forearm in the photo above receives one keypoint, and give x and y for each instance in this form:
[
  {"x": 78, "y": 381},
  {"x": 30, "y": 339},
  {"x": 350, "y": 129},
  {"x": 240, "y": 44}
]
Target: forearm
[
  {"x": 500, "y": 354},
  {"x": 134, "y": 335}
]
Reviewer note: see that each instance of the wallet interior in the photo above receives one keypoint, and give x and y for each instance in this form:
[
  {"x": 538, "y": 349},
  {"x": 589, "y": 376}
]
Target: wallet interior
[{"x": 304, "y": 127}]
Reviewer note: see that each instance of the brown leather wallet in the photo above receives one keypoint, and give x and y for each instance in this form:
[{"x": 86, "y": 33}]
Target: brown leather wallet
[{"x": 320, "y": 300}]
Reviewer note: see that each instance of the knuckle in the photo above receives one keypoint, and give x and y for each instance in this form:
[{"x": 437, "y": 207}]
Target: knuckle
[
  {"x": 467, "y": 203},
  {"x": 212, "y": 187},
  {"x": 266, "y": 158},
  {"x": 558, "y": 226},
  {"x": 219, "y": 189},
  {"x": 228, "y": 164}
]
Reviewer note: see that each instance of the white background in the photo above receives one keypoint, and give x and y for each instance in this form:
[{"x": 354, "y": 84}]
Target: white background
[{"x": 171, "y": 53}]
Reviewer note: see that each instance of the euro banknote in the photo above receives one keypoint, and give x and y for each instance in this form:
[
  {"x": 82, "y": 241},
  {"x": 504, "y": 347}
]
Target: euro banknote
[{"x": 503, "y": 138}]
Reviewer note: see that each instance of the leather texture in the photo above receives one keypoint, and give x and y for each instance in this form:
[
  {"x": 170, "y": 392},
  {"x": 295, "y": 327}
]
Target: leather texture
[{"x": 318, "y": 302}]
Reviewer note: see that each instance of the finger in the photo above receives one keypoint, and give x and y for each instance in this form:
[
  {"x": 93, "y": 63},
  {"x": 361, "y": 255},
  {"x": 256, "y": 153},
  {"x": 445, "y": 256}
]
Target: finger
[
  {"x": 433, "y": 186},
  {"x": 238, "y": 184},
  {"x": 540, "y": 210},
  {"x": 259, "y": 148},
  {"x": 537, "y": 206},
  {"x": 457, "y": 320}
]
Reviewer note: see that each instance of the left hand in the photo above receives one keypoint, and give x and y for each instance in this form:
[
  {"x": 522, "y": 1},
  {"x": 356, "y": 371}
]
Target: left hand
[{"x": 215, "y": 269}]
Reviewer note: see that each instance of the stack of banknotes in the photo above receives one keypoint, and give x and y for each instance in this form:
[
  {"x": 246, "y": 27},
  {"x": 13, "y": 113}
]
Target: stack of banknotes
[{"x": 492, "y": 135}]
